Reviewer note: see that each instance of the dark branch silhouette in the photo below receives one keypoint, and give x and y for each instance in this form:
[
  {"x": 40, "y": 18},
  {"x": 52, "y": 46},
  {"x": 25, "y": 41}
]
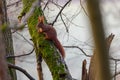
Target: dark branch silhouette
[
  {"x": 46, "y": 5},
  {"x": 60, "y": 12},
  {"x": 12, "y": 56},
  {"x": 15, "y": 3},
  {"x": 21, "y": 70},
  {"x": 24, "y": 38},
  {"x": 79, "y": 49},
  {"x": 64, "y": 23}
]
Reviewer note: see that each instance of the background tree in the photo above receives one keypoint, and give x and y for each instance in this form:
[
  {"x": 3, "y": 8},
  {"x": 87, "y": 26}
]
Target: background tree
[
  {"x": 3, "y": 64},
  {"x": 84, "y": 46},
  {"x": 7, "y": 37}
]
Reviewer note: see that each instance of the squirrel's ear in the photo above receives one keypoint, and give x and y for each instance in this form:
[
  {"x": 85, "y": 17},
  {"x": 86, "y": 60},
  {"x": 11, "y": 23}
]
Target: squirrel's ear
[
  {"x": 39, "y": 19},
  {"x": 42, "y": 19}
]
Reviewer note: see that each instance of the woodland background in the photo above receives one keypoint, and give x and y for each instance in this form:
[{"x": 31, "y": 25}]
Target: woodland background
[{"x": 78, "y": 37}]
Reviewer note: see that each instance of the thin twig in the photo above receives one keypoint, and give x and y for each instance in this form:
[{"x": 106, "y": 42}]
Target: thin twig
[
  {"x": 116, "y": 74},
  {"x": 15, "y": 3},
  {"x": 83, "y": 8},
  {"x": 12, "y": 56},
  {"x": 64, "y": 23},
  {"x": 56, "y": 4},
  {"x": 59, "y": 6},
  {"x": 60, "y": 12},
  {"x": 24, "y": 38},
  {"x": 21, "y": 70},
  {"x": 46, "y": 5},
  {"x": 111, "y": 58},
  {"x": 79, "y": 49}
]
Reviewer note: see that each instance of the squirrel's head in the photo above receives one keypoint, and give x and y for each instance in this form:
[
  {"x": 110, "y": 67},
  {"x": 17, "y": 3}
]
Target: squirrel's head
[{"x": 40, "y": 21}]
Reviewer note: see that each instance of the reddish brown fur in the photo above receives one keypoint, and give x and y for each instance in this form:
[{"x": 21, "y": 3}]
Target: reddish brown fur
[{"x": 50, "y": 34}]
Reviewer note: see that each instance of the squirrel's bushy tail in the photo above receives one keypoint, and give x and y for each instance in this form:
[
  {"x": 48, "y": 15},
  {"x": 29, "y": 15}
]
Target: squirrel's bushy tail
[{"x": 59, "y": 47}]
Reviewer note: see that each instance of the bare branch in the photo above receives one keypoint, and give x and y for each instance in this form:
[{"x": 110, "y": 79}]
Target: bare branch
[
  {"x": 15, "y": 26},
  {"x": 64, "y": 23},
  {"x": 46, "y": 5},
  {"x": 24, "y": 38},
  {"x": 56, "y": 4},
  {"x": 21, "y": 70},
  {"x": 15, "y": 3},
  {"x": 12, "y": 56},
  {"x": 115, "y": 74},
  {"x": 79, "y": 49},
  {"x": 83, "y": 8},
  {"x": 60, "y": 12},
  {"x": 111, "y": 58},
  {"x": 59, "y": 6}
]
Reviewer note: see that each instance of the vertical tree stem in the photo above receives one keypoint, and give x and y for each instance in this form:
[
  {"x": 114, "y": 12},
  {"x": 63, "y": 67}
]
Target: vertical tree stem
[{"x": 101, "y": 60}]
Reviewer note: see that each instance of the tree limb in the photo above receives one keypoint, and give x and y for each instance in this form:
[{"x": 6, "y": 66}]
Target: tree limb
[
  {"x": 79, "y": 49},
  {"x": 64, "y": 23},
  {"x": 46, "y": 5},
  {"x": 15, "y": 3},
  {"x": 21, "y": 70},
  {"x": 24, "y": 38},
  {"x": 115, "y": 74},
  {"x": 12, "y": 56},
  {"x": 60, "y": 12}
]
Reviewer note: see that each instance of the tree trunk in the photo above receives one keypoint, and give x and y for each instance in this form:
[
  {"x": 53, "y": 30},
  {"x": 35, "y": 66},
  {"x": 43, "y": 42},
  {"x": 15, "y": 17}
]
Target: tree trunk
[
  {"x": 101, "y": 56},
  {"x": 91, "y": 75},
  {"x": 3, "y": 65},
  {"x": 7, "y": 36},
  {"x": 92, "y": 68}
]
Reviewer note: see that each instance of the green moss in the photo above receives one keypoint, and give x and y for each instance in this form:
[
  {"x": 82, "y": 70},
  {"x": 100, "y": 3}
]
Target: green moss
[
  {"x": 4, "y": 27},
  {"x": 26, "y": 7},
  {"x": 43, "y": 47}
]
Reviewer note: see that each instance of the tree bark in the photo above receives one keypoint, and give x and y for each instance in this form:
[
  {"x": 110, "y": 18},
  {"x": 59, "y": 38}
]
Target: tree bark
[
  {"x": 101, "y": 56},
  {"x": 84, "y": 71},
  {"x": 3, "y": 65},
  {"x": 7, "y": 37},
  {"x": 92, "y": 68},
  {"x": 91, "y": 74}
]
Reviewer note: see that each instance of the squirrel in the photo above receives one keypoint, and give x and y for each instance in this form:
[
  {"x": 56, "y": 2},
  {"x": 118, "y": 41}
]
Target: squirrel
[{"x": 50, "y": 34}]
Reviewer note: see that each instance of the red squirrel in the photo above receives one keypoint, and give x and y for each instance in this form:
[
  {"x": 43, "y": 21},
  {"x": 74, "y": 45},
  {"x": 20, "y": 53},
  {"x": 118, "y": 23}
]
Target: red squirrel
[{"x": 50, "y": 34}]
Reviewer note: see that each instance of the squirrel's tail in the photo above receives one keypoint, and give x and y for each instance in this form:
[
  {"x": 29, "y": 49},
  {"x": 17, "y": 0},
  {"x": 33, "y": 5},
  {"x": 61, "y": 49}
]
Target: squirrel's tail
[{"x": 59, "y": 47}]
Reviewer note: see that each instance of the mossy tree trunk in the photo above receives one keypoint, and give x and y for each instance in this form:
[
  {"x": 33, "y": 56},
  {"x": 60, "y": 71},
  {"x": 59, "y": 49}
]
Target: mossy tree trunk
[{"x": 45, "y": 48}]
